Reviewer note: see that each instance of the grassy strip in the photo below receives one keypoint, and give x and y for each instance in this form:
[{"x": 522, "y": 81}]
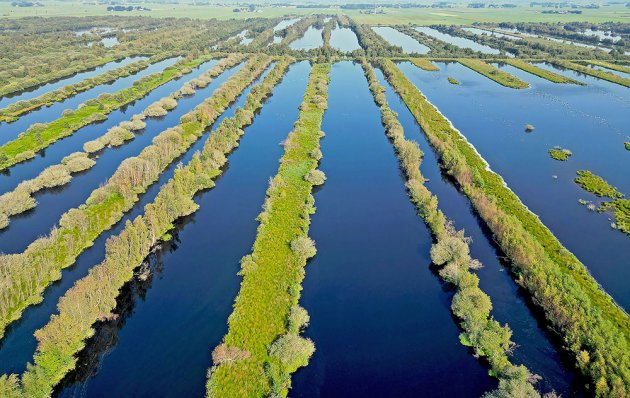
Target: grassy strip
[
  {"x": 30, "y": 82},
  {"x": 297, "y": 30},
  {"x": 40, "y": 136},
  {"x": 540, "y": 72},
  {"x": 609, "y": 65},
  {"x": 451, "y": 251},
  {"x": 560, "y": 154},
  {"x": 424, "y": 64},
  {"x": 24, "y": 276},
  {"x": 93, "y": 298},
  {"x": 262, "y": 347},
  {"x": 327, "y": 31},
  {"x": 492, "y": 73},
  {"x": 13, "y": 111},
  {"x": 600, "y": 74},
  {"x": 21, "y": 198},
  {"x": 596, "y": 185},
  {"x": 594, "y": 329},
  {"x": 262, "y": 39}
]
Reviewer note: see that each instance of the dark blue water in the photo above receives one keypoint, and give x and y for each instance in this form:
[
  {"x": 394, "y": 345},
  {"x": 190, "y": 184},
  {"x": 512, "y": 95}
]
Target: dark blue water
[
  {"x": 535, "y": 348},
  {"x": 589, "y": 120},
  {"x": 52, "y": 203},
  {"x": 380, "y": 319},
  {"x": 10, "y": 131},
  {"x": 163, "y": 348},
  {"x": 18, "y": 345},
  {"x": 37, "y": 91}
]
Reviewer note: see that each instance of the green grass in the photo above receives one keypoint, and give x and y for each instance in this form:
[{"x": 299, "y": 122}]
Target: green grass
[
  {"x": 540, "y": 72},
  {"x": 272, "y": 288},
  {"x": 452, "y": 80},
  {"x": 561, "y": 154},
  {"x": 424, "y": 64},
  {"x": 627, "y": 145},
  {"x": 28, "y": 143},
  {"x": 600, "y": 74},
  {"x": 489, "y": 71},
  {"x": 596, "y": 185},
  {"x": 609, "y": 65}
]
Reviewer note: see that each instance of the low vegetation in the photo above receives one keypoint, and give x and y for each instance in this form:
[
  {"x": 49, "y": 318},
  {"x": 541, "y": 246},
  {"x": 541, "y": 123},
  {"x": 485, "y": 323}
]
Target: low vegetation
[
  {"x": 452, "y": 80},
  {"x": 596, "y": 185},
  {"x": 540, "y": 72},
  {"x": 266, "y": 320},
  {"x": 593, "y": 328},
  {"x": 13, "y": 111},
  {"x": 424, "y": 64},
  {"x": 609, "y": 65},
  {"x": 93, "y": 298},
  {"x": 598, "y": 73},
  {"x": 23, "y": 284},
  {"x": 561, "y": 154},
  {"x": 618, "y": 206},
  {"x": 21, "y": 198},
  {"x": 488, "y": 338},
  {"x": 40, "y": 136},
  {"x": 489, "y": 71}
]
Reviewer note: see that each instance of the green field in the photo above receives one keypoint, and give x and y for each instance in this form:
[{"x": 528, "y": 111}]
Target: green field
[{"x": 418, "y": 16}]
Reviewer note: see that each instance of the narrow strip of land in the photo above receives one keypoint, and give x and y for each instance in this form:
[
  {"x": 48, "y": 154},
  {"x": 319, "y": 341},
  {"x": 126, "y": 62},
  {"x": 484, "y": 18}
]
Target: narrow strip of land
[
  {"x": 263, "y": 347},
  {"x": 492, "y": 73}
]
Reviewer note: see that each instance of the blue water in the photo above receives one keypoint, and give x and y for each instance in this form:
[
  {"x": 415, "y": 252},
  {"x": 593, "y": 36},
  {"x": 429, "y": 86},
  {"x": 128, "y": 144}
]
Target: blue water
[
  {"x": 457, "y": 41},
  {"x": 18, "y": 345},
  {"x": 312, "y": 39},
  {"x": 536, "y": 347},
  {"x": 163, "y": 346},
  {"x": 380, "y": 319},
  {"x": 397, "y": 38},
  {"x": 344, "y": 39},
  {"x": 589, "y": 120}
]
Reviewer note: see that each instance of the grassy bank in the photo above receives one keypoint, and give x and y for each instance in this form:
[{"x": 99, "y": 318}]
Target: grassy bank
[
  {"x": 40, "y": 136},
  {"x": 492, "y": 73},
  {"x": 540, "y": 72},
  {"x": 618, "y": 206},
  {"x": 488, "y": 338},
  {"x": 600, "y": 74},
  {"x": 424, "y": 64},
  {"x": 23, "y": 284},
  {"x": 93, "y": 298},
  {"x": 262, "y": 347},
  {"x": 13, "y": 111},
  {"x": 593, "y": 328},
  {"x": 609, "y": 65}
]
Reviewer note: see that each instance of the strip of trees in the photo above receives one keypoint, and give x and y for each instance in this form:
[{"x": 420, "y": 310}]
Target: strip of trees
[
  {"x": 13, "y": 111},
  {"x": 21, "y": 198},
  {"x": 263, "y": 346},
  {"x": 487, "y": 337},
  {"x": 24, "y": 276},
  {"x": 540, "y": 72},
  {"x": 93, "y": 298},
  {"x": 594, "y": 329},
  {"x": 41, "y": 135},
  {"x": 598, "y": 73}
]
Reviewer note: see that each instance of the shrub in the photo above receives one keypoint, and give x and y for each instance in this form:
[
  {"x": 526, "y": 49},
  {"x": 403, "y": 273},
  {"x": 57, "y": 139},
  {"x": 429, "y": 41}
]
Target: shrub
[
  {"x": 136, "y": 124},
  {"x": 187, "y": 89},
  {"x": 315, "y": 177},
  {"x": 118, "y": 135},
  {"x": 155, "y": 110},
  {"x": 529, "y": 128},
  {"x": 77, "y": 161},
  {"x": 304, "y": 246},
  {"x": 316, "y": 154},
  {"x": 293, "y": 351},
  {"x": 298, "y": 319},
  {"x": 168, "y": 103},
  {"x": 16, "y": 202},
  {"x": 451, "y": 249},
  {"x": 224, "y": 354},
  {"x": 247, "y": 265},
  {"x": 93, "y": 146},
  {"x": 53, "y": 176}
]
